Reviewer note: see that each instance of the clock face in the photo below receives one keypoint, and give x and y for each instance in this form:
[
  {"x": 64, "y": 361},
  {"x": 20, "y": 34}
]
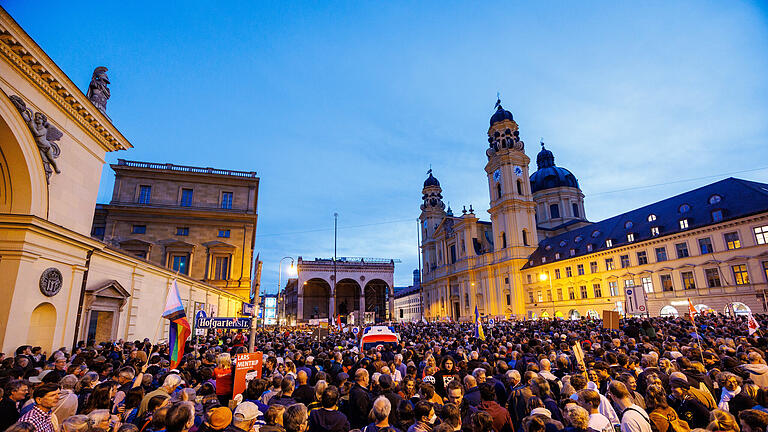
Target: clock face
[
  {"x": 497, "y": 176},
  {"x": 518, "y": 170}
]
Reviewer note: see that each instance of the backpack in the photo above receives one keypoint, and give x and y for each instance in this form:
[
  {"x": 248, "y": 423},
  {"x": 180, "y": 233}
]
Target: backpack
[{"x": 675, "y": 425}]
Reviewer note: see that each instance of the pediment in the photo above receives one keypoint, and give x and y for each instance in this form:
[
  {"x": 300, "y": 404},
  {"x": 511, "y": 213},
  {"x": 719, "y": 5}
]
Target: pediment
[
  {"x": 134, "y": 243},
  {"x": 110, "y": 289},
  {"x": 216, "y": 244}
]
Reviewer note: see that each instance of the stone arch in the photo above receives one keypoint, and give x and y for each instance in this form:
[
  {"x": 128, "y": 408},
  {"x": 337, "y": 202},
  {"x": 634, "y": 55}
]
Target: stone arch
[
  {"x": 23, "y": 185},
  {"x": 348, "y": 293},
  {"x": 42, "y": 326},
  {"x": 377, "y": 293},
  {"x": 316, "y": 294},
  {"x": 573, "y": 314}
]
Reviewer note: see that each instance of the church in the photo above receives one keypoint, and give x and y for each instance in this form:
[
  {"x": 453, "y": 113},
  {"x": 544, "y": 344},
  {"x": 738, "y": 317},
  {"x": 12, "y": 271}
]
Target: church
[{"x": 540, "y": 257}]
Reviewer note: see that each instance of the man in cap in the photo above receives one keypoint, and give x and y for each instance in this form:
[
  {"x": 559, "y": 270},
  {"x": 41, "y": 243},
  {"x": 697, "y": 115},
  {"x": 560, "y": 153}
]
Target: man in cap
[{"x": 244, "y": 417}]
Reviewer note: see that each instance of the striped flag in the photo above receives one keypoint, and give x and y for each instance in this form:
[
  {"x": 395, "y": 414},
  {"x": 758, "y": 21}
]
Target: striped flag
[
  {"x": 179, "y": 331},
  {"x": 479, "y": 333}
]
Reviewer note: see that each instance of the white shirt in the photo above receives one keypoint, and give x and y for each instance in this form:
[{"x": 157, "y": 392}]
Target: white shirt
[
  {"x": 635, "y": 419},
  {"x": 600, "y": 422}
]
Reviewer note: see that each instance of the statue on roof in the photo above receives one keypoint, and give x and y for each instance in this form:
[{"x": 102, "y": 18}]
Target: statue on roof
[
  {"x": 44, "y": 135},
  {"x": 98, "y": 92}
]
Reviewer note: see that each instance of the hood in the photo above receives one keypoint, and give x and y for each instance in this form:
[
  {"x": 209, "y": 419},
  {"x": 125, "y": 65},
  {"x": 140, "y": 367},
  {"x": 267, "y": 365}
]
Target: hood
[{"x": 757, "y": 369}]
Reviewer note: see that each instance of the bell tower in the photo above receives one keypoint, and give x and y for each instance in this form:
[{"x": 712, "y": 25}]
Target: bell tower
[
  {"x": 432, "y": 213},
  {"x": 512, "y": 207}
]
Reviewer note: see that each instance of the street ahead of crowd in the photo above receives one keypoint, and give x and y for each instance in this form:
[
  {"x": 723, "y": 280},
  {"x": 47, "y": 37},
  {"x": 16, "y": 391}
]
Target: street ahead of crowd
[{"x": 651, "y": 375}]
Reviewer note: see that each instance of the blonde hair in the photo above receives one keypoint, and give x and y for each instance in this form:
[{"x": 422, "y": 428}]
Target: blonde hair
[
  {"x": 720, "y": 420},
  {"x": 578, "y": 416},
  {"x": 224, "y": 361}
]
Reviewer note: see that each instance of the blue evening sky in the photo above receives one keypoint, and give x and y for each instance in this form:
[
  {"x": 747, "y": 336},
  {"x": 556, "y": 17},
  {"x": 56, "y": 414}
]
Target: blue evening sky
[{"x": 342, "y": 106}]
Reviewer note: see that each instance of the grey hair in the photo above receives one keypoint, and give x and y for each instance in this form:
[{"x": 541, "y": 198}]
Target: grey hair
[
  {"x": 320, "y": 387},
  {"x": 76, "y": 423},
  {"x": 381, "y": 408},
  {"x": 172, "y": 381},
  {"x": 98, "y": 416}
]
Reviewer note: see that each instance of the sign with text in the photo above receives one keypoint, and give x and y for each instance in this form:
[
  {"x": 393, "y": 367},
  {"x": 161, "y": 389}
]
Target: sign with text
[
  {"x": 223, "y": 323},
  {"x": 635, "y": 300},
  {"x": 248, "y": 309},
  {"x": 247, "y": 367}
]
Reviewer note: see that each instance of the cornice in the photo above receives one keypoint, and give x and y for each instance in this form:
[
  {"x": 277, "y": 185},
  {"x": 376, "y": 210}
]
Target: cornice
[{"x": 21, "y": 51}]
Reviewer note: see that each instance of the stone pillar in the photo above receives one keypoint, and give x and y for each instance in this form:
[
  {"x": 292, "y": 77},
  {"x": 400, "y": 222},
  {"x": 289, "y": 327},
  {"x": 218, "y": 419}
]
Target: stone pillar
[
  {"x": 332, "y": 306},
  {"x": 391, "y": 304},
  {"x": 299, "y": 308},
  {"x": 362, "y": 305}
]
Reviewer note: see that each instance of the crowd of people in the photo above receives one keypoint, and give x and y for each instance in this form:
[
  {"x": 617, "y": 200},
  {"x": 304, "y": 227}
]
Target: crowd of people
[{"x": 652, "y": 375}]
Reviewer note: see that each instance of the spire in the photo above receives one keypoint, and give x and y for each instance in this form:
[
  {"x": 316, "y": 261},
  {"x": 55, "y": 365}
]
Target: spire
[{"x": 545, "y": 158}]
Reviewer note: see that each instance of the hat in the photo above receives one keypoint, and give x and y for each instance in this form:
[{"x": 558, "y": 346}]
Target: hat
[
  {"x": 429, "y": 379},
  {"x": 39, "y": 378},
  {"x": 541, "y": 411},
  {"x": 219, "y": 418},
  {"x": 679, "y": 382},
  {"x": 342, "y": 376},
  {"x": 246, "y": 411}
]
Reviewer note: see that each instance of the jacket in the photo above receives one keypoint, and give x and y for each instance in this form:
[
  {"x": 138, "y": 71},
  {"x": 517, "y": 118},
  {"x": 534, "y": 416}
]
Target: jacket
[
  {"x": 323, "y": 420},
  {"x": 501, "y": 419},
  {"x": 758, "y": 373},
  {"x": 359, "y": 406}
]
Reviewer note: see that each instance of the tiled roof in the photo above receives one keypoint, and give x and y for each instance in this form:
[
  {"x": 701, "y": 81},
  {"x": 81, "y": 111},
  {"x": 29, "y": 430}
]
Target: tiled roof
[{"x": 737, "y": 198}]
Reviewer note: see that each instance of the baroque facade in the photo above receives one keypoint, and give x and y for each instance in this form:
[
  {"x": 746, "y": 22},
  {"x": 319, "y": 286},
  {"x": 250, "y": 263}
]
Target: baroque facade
[
  {"x": 59, "y": 284},
  {"x": 539, "y": 256}
]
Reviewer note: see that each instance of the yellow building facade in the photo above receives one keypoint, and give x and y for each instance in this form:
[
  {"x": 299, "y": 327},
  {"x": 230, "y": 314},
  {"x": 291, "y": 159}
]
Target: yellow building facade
[
  {"x": 59, "y": 284},
  {"x": 539, "y": 256}
]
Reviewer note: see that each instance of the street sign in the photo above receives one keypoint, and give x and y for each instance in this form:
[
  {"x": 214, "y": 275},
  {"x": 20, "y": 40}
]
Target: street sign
[
  {"x": 635, "y": 300},
  {"x": 355, "y": 330},
  {"x": 248, "y": 309},
  {"x": 199, "y": 332},
  {"x": 491, "y": 322},
  {"x": 222, "y": 323}
]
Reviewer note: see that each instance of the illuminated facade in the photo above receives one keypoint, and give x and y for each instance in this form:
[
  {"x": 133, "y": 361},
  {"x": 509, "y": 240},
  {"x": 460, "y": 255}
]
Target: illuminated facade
[{"x": 539, "y": 256}]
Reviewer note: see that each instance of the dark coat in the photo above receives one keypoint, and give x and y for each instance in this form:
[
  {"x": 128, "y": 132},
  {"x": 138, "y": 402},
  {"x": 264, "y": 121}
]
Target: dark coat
[{"x": 359, "y": 406}]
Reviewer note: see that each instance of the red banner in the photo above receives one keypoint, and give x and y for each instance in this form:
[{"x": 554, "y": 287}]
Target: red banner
[{"x": 247, "y": 367}]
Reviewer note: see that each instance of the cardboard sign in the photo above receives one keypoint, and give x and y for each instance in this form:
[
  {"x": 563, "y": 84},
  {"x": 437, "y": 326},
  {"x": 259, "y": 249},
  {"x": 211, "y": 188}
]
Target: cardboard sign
[
  {"x": 611, "y": 320},
  {"x": 579, "y": 354},
  {"x": 247, "y": 367}
]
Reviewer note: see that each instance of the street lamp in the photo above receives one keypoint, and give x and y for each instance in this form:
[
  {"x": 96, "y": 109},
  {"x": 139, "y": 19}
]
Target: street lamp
[{"x": 545, "y": 276}]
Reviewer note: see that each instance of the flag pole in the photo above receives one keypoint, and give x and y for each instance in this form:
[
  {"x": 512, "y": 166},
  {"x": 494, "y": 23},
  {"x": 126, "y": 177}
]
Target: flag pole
[{"x": 692, "y": 312}]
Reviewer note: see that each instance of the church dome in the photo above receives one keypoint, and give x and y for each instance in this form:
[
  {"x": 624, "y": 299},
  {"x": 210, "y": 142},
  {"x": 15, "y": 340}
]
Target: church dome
[
  {"x": 431, "y": 180},
  {"x": 500, "y": 115},
  {"x": 549, "y": 176}
]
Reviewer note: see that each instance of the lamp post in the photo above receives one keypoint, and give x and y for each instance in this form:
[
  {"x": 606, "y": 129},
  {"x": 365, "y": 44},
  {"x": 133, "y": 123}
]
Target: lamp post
[
  {"x": 545, "y": 276},
  {"x": 279, "y": 283}
]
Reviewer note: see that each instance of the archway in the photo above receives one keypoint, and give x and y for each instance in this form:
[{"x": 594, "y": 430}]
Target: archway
[
  {"x": 317, "y": 294},
  {"x": 559, "y": 314},
  {"x": 376, "y": 296},
  {"x": 737, "y": 309},
  {"x": 591, "y": 313},
  {"x": 545, "y": 314},
  {"x": 42, "y": 325},
  {"x": 347, "y": 297},
  {"x": 669, "y": 311},
  {"x": 573, "y": 314},
  {"x": 703, "y": 309}
]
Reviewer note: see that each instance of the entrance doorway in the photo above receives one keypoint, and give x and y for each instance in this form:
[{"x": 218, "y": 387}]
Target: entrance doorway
[
  {"x": 456, "y": 311},
  {"x": 100, "y": 326},
  {"x": 42, "y": 325}
]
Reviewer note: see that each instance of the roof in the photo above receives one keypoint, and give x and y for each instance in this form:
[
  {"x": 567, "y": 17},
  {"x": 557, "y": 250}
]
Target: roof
[
  {"x": 405, "y": 291},
  {"x": 550, "y": 176},
  {"x": 734, "y": 198}
]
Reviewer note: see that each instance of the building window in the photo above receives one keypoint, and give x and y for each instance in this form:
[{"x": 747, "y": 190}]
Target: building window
[
  {"x": 609, "y": 243},
  {"x": 647, "y": 284},
  {"x": 597, "y": 290},
  {"x": 682, "y": 250},
  {"x": 705, "y": 245},
  {"x": 765, "y": 269},
  {"x": 624, "y": 261},
  {"x": 629, "y": 283},
  {"x": 732, "y": 240},
  {"x": 557, "y": 273},
  {"x": 543, "y": 260},
  {"x": 717, "y": 215},
  {"x": 761, "y": 234},
  {"x": 661, "y": 254},
  {"x": 182, "y": 231},
  {"x": 613, "y": 287},
  {"x": 580, "y": 269},
  {"x": 684, "y": 208},
  {"x": 740, "y": 274},
  {"x": 557, "y": 255},
  {"x": 609, "y": 264},
  {"x": 506, "y": 280},
  {"x": 554, "y": 211},
  {"x": 572, "y": 252},
  {"x": 713, "y": 277},
  {"x": 519, "y": 187},
  {"x": 509, "y": 301},
  {"x": 683, "y": 223},
  {"x": 571, "y": 293},
  {"x": 466, "y": 300},
  {"x": 688, "y": 281},
  {"x": 539, "y": 296},
  {"x": 568, "y": 272},
  {"x": 503, "y": 240},
  {"x": 630, "y": 237},
  {"x": 589, "y": 247},
  {"x": 226, "y": 200},
  {"x": 654, "y": 231},
  {"x": 186, "y": 197},
  {"x": 559, "y": 294},
  {"x": 583, "y": 289},
  {"x": 221, "y": 268},
  {"x": 714, "y": 199},
  {"x": 651, "y": 217},
  {"x": 642, "y": 258},
  {"x": 180, "y": 263},
  {"x": 593, "y": 267},
  {"x": 666, "y": 283},
  {"x": 549, "y": 295},
  {"x": 224, "y": 233},
  {"x": 575, "y": 210},
  {"x": 498, "y": 190},
  {"x": 139, "y": 229},
  {"x": 530, "y": 296},
  {"x": 530, "y": 279},
  {"x": 628, "y": 224},
  {"x": 525, "y": 238},
  {"x": 145, "y": 193}
]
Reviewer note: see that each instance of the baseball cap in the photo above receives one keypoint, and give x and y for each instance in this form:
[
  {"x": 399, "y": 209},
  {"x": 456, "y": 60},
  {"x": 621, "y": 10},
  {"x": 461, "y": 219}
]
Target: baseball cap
[
  {"x": 246, "y": 411},
  {"x": 219, "y": 418}
]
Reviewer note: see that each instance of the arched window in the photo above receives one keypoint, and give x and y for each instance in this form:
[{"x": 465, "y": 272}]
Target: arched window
[
  {"x": 575, "y": 210},
  {"x": 669, "y": 311},
  {"x": 519, "y": 187},
  {"x": 554, "y": 211},
  {"x": 525, "y": 238},
  {"x": 503, "y": 240},
  {"x": 574, "y": 314},
  {"x": 466, "y": 300}
]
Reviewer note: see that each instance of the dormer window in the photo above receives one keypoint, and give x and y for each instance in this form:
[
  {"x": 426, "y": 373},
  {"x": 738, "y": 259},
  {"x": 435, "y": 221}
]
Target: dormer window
[
  {"x": 543, "y": 260},
  {"x": 651, "y": 217},
  {"x": 595, "y": 233},
  {"x": 557, "y": 255},
  {"x": 628, "y": 225},
  {"x": 589, "y": 248},
  {"x": 654, "y": 231},
  {"x": 609, "y": 243},
  {"x": 717, "y": 215},
  {"x": 547, "y": 247},
  {"x": 577, "y": 239},
  {"x": 563, "y": 243},
  {"x": 630, "y": 237},
  {"x": 685, "y": 208},
  {"x": 573, "y": 252},
  {"x": 714, "y": 199},
  {"x": 683, "y": 223}
]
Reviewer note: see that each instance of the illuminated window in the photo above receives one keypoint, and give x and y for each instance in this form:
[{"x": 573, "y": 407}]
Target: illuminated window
[
  {"x": 651, "y": 217},
  {"x": 666, "y": 283},
  {"x": 589, "y": 247},
  {"x": 647, "y": 284},
  {"x": 683, "y": 223},
  {"x": 630, "y": 237},
  {"x": 740, "y": 274},
  {"x": 654, "y": 231},
  {"x": 642, "y": 258},
  {"x": 688, "y": 282},
  {"x": 613, "y": 287},
  {"x": 761, "y": 234},
  {"x": 593, "y": 267},
  {"x": 732, "y": 240},
  {"x": 609, "y": 243},
  {"x": 609, "y": 264}
]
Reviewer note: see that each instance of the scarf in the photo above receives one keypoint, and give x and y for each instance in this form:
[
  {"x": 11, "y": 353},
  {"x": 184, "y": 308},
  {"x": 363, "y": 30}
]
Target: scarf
[{"x": 726, "y": 396}]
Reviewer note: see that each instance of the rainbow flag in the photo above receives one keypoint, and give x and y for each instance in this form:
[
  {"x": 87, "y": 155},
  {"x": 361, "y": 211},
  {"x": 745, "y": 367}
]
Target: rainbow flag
[
  {"x": 479, "y": 333},
  {"x": 180, "y": 331}
]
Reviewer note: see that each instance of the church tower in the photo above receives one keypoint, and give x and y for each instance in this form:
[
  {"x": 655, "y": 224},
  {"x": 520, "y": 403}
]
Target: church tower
[
  {"x": 432, "y": 213},
  {"x": 512, "y": 207}
]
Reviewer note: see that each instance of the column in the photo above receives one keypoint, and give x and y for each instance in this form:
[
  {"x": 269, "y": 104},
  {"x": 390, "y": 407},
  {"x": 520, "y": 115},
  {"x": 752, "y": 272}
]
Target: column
[
  {"x": 299, "y": 307},
  {"x": 332, "y": 303},
  {"x": 362, "y": 305},
  {"x": 391, "y": 303}
]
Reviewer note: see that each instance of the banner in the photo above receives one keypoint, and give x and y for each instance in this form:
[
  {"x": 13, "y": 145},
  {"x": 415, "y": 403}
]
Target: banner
[
  {"x": 223, "y": 323},
  {"x": 610, "y": 320},
  {"x": 247, "y": 367}
]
